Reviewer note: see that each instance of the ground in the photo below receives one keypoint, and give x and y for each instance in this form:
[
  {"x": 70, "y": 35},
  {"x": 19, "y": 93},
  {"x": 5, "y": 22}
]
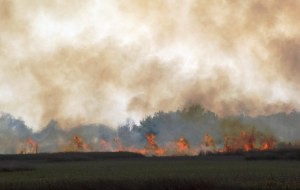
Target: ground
[{"x": 136, "y": 172}]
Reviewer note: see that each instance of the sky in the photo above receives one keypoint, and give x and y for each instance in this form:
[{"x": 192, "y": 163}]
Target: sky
[{"x": 108, "y": 60}]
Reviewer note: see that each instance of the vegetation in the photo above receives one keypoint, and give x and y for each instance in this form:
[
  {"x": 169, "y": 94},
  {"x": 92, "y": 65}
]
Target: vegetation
[
  {"x": 193, "y": 123},
  {"x": 137, "y": 172}
]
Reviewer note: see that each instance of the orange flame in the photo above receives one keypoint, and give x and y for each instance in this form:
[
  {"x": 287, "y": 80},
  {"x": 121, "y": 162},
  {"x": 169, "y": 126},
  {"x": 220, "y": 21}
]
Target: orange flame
[
  {"x": 182, "y": 145},
  {"x": 268, "y": 144},
  {"x": 80, "y": 143},
  {"x": 248, "y": 140},
  {"x": 30, "y": 146},
  {"x": 33, "y": 144},
  {"x": 245, "y": 141},
  {"x": 265, "y": 146},
  {"x": 152, "y": 147},
  {"x": 151, "y": 140}
]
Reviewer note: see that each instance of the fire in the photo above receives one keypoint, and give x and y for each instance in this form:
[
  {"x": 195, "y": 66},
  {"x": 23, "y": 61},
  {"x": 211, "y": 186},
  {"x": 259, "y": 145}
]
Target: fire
[
  {"x": 244, "y": 141},
  {"x": 77, "y": 144},
  {"x": 152, "y": 147},
  {"x": 140, "y": 151},
  {"x": 265, "y": 146},
  {"x": 209, "y": 141},
  {"x": 105, "y": 145},
  {"x": 118, "y": 144},
  {"x": 248, "y": 141},
  {"x": 33, "y": 144},
  {"x": 268, "y": 144},
  {"x": 30, "y": 147},
  {"x": 231, "y": 144},
  {"x": 151, "y": 140},
  {"x": 208, "y": 145},
  {"x": 247, "y": 147},
  {"x": 78, "y": 141},
  {"x": 182, "y": 145}
]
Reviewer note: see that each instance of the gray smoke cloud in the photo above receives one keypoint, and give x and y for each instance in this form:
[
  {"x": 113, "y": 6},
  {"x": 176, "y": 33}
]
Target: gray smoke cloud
[
  {"x": 192, "y": 124},
  {"x": 81, "y": 62}
]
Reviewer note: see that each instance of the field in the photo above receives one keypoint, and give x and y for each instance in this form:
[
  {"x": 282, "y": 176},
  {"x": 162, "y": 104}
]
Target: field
[{"x": 130, "y": 171}]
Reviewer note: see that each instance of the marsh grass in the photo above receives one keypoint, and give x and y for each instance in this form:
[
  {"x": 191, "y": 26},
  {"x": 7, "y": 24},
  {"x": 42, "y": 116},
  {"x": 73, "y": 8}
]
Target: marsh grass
[{"x": 171, "y": 173}]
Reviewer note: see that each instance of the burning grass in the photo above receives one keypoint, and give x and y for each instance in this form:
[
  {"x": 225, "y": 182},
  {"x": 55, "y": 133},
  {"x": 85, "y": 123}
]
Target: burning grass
[
  {"x": 191, "y": 131},
  {"x": 245, "y": 142}
]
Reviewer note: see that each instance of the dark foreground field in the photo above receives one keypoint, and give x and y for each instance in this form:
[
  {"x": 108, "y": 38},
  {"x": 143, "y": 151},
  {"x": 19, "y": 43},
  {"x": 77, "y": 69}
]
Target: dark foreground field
[{"x": 131, "y": 171}]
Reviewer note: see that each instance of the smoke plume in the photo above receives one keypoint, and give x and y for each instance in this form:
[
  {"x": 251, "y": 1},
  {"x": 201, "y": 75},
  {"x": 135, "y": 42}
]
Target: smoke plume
[{"x": 81, "y": 62}]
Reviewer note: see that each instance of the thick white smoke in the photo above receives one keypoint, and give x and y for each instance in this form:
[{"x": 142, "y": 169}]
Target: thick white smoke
[{"x": 104, "y": 61}]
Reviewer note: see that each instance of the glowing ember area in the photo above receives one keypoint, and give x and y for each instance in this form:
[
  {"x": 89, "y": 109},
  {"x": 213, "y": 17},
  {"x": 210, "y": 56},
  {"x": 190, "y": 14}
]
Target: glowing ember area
[{"x": 182, "y": 145}]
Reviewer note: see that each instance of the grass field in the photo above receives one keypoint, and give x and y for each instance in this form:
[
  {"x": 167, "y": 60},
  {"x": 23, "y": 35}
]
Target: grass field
[{"x": 206, "y": 172}]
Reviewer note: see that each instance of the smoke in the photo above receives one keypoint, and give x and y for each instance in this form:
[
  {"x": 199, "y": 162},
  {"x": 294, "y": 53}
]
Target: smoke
[
  {"x": 12, "y": 133},
  {"x": 194, "y": 128},
  {"x": 104, "y": 61}
]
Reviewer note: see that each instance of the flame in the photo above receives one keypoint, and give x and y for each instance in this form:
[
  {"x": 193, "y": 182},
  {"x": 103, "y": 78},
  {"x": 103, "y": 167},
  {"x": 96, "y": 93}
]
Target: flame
[
  {"x": 209, "y": 141},
  {"x": 268, "y": 144},
  {"x": 208, "y": 145},
  {"x": 182, "y": 145},
  {"x": 249, "y": 140},
  {"x": 265, "y": 146},
  {"x": 80, "y": 143},
  {"x": 231, "y": 144},
  {"x": 140, "y": 151},
  {"x": 246, "y": 141},
  {"x": 33, "y": 144},
  {"x": 77, "y": 144},
  {"x": 105, "y": 145},
  {"x": 30, "y": 146},
  {"x": 152, "y": 147},
  {"x": 247, "y": 147},
  {"x": 151, "y": 140}
]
